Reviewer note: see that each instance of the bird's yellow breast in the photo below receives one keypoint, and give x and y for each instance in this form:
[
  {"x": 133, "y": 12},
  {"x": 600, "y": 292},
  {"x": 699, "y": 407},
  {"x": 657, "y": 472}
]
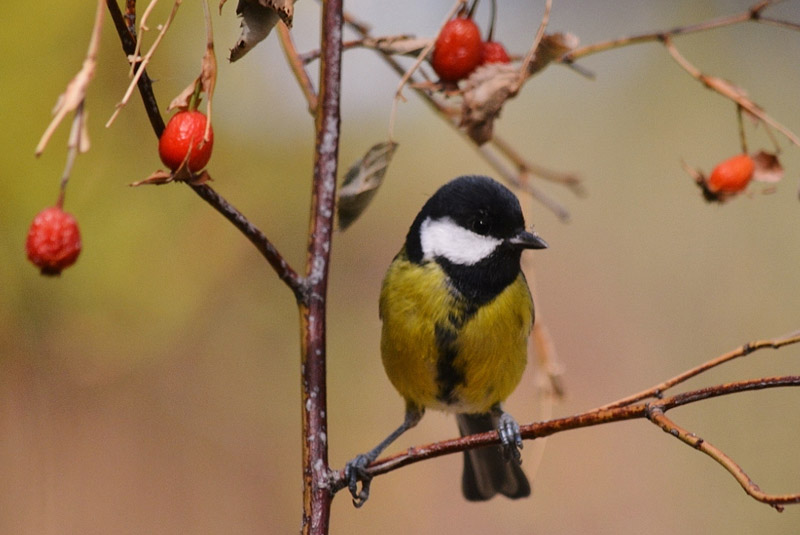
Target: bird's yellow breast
[{"x": 442, "y": 352}]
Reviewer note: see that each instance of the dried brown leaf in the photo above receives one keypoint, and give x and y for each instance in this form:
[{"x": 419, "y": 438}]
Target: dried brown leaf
[
  {"x": 485, "y": 92},
  {"x": 156, "y": 179},
  {"x": 551, "y": 48},
  {"x": 181, "y": 102},
  {"x": 67, "y": 102},
  {"x": 397, "y": 44},
  {"x": 767, "y": 167},
  {"x": 258, "y": 19},
  {"x": 362, "y": 182}
]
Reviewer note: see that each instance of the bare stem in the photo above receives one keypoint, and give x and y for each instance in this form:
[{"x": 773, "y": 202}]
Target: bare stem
[
  {"x": 298, "y": 67},
  {"x": 316, "y": 493}
]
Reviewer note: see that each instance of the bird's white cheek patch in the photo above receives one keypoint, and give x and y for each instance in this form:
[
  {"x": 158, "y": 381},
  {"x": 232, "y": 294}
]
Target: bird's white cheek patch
[{"x": 443, "y": 237}]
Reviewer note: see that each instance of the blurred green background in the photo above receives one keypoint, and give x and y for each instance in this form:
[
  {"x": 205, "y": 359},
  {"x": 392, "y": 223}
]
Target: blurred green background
[{"x": 153, "y": 387}]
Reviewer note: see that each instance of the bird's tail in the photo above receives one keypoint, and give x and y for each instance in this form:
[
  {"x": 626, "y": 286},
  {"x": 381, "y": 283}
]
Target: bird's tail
[{"x": 486, "y": 470}]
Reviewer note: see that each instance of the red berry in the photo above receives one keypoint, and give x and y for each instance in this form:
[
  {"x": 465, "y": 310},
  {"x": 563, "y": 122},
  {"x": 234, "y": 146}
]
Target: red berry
[
  {"x": 184, "y": 135},
  {"x": 457, "y": 51},
  {"x": 494, "y": 52},
  {"x": 732, "y": 175},
  {"x": 54, "y": 241}
]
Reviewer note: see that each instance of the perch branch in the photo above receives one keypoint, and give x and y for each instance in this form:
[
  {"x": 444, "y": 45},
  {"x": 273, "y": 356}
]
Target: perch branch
[{"x": 615, "y": 412}]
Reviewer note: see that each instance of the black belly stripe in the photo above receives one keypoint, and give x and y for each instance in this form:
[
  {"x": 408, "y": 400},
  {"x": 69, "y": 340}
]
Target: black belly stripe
[{"x": 448, "y": 375}]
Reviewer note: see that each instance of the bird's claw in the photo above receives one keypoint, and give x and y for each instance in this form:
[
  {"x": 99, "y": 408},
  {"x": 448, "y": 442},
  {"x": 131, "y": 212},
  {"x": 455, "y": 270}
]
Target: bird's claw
[
  {"x": 354, "y": 471},
  {"x": 510, "y": 438}
]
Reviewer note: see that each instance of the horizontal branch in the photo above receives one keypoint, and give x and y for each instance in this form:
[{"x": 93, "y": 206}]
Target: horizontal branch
[{"x": 653, "y": 411}]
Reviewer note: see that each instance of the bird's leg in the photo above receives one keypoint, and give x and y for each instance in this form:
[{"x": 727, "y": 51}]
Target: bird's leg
[
  {"x": 356, "y": 468},
  {"x": 510, "y": 437}
]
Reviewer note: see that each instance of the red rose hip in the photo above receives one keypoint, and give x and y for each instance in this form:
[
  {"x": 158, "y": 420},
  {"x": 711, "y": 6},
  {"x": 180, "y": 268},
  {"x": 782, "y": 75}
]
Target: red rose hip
[
  {"x": 732, "y": 175},
  {"x": 458, "y": 50},
  {"x": 54, "y": 241},
  {"x": 184, "y": 135},
  {"x": 494, "y": 52}
]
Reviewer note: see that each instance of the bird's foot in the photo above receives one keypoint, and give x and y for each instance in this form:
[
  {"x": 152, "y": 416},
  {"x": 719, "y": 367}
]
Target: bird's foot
[
  {"x": 510, "y": 437},
  {"x": 354, "y": 471}
]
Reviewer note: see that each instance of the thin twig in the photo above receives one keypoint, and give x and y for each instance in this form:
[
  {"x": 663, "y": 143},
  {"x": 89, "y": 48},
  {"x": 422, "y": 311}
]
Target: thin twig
[
  {"x": 523, "y": 72},
  {"x": 128, "y": 46},
  {"x": 144, "y": 62},
  {"x": 728, "y": 91},
  {"x": 524, "y": 166},
  {"x": 514, "y": 179},
  {"x": 77, "y": 143},
  {"x": 136, "y": 58},
  {"x": 298, "y": 67},
  {"x": 751, "y": 14},
  {"x": 656, "y": 415},
  {"x": 209, "y": 71},
  {"x": 398, "y": 95},
  {"x": 751, "y": 347}
]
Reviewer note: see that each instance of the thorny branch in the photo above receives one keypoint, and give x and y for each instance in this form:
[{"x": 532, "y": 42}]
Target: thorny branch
[{"x": 626, "y": 409}]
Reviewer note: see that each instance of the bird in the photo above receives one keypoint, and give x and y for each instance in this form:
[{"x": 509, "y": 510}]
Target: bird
[{"x": 456, "y": 315}]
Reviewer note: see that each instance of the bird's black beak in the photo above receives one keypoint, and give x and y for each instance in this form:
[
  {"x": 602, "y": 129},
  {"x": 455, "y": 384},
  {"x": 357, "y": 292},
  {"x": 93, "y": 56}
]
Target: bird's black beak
[{"x": 527, "y": 240}]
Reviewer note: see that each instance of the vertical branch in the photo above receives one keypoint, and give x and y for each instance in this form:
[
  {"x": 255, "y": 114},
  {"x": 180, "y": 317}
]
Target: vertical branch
[{"x": 316, "y": 493}]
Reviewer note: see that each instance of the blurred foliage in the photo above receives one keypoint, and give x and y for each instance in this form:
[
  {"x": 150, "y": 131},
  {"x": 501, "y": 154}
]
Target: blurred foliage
[{"x": 153, "y": 387}]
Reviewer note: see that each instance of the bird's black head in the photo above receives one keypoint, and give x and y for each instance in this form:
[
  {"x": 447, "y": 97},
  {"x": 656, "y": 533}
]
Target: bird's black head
[{"x": 473, "y": 227}]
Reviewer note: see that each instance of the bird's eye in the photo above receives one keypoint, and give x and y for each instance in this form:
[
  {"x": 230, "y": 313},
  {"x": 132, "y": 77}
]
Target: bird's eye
[{"x": 481, "y": 223}]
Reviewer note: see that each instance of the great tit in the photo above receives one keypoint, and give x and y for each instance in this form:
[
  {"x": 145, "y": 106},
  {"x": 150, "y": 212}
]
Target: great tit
[{"x": 457, "y": 313}]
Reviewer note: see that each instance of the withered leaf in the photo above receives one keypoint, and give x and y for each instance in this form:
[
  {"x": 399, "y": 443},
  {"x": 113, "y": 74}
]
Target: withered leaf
[
  {"x": 258, "y": 19},
  {"x": 362, "y": 182},
  {"x": 397, "y": 44},
  {"x": 485, "y": 92},
  {"x": 768, "y": 168},
  {"x": 181, "y": 102},
  {"x": 551, "y": 48}
]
